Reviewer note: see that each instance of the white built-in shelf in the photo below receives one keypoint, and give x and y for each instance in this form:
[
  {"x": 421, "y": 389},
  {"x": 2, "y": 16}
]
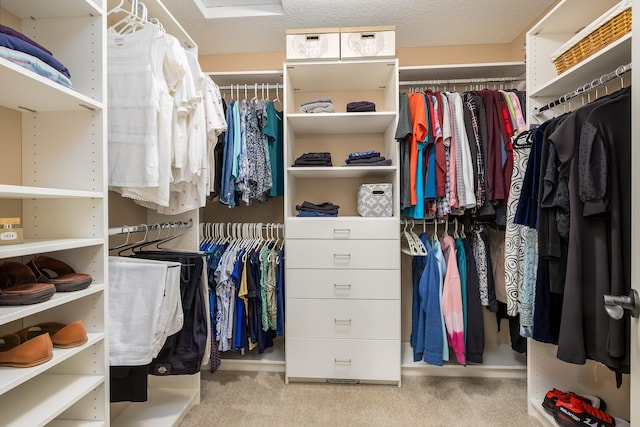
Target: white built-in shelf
[
  {"x": 541, "y": 415},
  {"x": 563, "y": 18},
  {"x": 602, "y": 62},
  {"x": 75, "y": 423},
  {"x": 26, "y": 91},
  {"x": 37, "y": 9},
  {"x": 499, "y": 360},
  {"x": 164, "y": 407},
  {"x": 348, "y": 76},
  {"x": 30, "y": 247},
  {"x": 462, "y": 71},
  {"x": 272, "y": 360},
  {"x": 11, "y": 378},
  {"x": 340, "y": 123},
  {"x": 340, "y": 171},
  {"x": 46, "y": 397},
  {"x": 225, "y": 78},
  {"x": 24, "y": 192},
  {"x": 10, "y": 313}
]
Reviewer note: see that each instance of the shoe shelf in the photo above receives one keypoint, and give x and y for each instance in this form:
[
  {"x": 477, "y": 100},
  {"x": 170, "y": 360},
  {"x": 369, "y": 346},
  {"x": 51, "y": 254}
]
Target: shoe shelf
[
  {"x": 45, "y": 398},
  {"x": 165, "y": 407},
  {"x": 535, "y": 405},
  {"x": 12, "y": 313},
  {"x": 36, "y": 246},
  {"x": 10, "y": 378},
  {"x": 26, "y": 192}
]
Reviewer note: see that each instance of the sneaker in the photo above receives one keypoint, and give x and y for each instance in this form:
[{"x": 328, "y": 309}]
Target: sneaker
[
  {"x": 576, "y": 412},
  {"x": 549, "y": 402}
]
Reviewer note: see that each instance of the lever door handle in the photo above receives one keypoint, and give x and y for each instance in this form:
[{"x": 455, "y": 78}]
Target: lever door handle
[{"x": 615, "y": 305}]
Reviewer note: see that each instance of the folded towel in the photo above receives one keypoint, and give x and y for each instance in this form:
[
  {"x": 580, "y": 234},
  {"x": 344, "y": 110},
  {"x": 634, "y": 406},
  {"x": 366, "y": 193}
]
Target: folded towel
[
  {"x": 318, "y": 107},
  {"x": 360, "y": 106}
]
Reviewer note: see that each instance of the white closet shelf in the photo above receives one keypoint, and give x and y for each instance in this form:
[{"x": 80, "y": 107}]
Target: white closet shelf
[
  {"x": 536, "y": 405},
  {"x": 499, "y": 360},
  {"x": 11, "y": 378},
  {"x": 462, "y": 71},
  {"x": 340, "y": 123},
  {"x": 616, "y": 54},
  {"x": 16, "y": 312},
  {"x": 340, "y": 171},
  {"x": 34, "y": 246},
  {"x": 224, "y": 78},
  {"x": 564, "y": 19},
  {"x": 26, "y": 91},
  {"x": 348, "y": 76},
  {"x": 24, "y": 192},
  {"x": 164, "y": 407},
  {"x": 41, "y": 400},
  {"x": 28, "y": 9},
  {"x": 75, "y": 423}
]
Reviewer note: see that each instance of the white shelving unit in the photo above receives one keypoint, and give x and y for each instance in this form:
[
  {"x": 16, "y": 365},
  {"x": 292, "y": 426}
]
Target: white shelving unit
[
  {"x": 339, "y": 268},
  {"x": 53, "y": 176},
  {"x": 544, "y": 85}
]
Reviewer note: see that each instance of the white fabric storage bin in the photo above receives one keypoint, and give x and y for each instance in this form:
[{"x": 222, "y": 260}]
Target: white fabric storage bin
[
  {"x": 367, "y": 42},
  {"x": 375, "y": 200},
  {"x": 313, "y": 44}
]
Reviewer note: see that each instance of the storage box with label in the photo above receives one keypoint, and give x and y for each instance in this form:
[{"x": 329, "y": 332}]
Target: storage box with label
[
  {"x": 9, "y": 234},
  {"x": 314, "y": 43},
  {"x": 375, "y": 200},
  {"x": 368, "y": 42}
]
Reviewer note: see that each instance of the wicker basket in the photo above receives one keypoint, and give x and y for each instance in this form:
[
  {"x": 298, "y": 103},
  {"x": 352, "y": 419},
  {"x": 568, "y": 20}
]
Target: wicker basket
[{"x": 606, "y": 34}]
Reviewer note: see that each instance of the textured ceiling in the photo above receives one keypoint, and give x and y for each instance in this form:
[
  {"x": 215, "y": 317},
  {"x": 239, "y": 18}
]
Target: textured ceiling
[{"x": 418, "y": 22}]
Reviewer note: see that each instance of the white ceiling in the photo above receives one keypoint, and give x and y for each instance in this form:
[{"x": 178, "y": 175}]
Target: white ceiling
[{"x": 418, "y": 22}]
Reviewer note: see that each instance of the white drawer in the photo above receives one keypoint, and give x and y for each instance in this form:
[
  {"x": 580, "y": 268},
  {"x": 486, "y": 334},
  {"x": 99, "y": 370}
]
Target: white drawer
[
  {"x": 342, "y": 228},
  {"x": 367, "y": 319},
  {"x": 341, "y": 254},
  {"x": 343, "y": 359},
  {"x": 344, "y": 284},
  {"x": 367, "y": 43}
]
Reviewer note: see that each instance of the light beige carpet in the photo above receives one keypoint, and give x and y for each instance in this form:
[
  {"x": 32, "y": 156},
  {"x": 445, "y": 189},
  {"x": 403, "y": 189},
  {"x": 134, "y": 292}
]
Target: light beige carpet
[{"x": 263, "y": 399}]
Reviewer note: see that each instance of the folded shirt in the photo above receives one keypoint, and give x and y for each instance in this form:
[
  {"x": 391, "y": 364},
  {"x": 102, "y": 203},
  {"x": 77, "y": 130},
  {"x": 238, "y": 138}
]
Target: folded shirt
[
  {"x": 318, "y": 107},
  {"x": 8, "y": 30},
  {"x": 315, "y": 100},
  {"x": 360, "y": 106},
  {"x": 380, "y": 162},
  {"x": 315, "y": 214},
  {"x": 16, "y": 43},
  {"x": 363, "y": 155},
  {"x": 322, "y": 207}
]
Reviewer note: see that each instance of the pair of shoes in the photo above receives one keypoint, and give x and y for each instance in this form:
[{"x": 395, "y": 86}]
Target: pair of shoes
[
  {"x": 33, "y": 346},
  {"x": 553, "y": 395},
  {"x": 577, "y": 412},
  {"x": 52, "y": 270},
  {"x": 38, "y": 280}
]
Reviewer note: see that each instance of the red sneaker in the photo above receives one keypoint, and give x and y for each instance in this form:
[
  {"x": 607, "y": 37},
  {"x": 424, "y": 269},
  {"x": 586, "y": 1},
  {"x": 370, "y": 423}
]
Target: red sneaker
[
  {"x": 553, "y": 395},
  {"x": 576, "y": 412}
]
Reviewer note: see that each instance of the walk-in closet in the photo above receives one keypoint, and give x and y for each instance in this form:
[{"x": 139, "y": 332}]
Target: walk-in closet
[{"x": 304, "y": 213}]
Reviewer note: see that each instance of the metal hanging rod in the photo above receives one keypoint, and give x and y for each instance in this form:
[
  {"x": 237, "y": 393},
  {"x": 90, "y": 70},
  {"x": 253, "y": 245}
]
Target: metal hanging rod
[
  {"x": 587, "y": 87},
  {"x": 128, "y": 229},
  {"x": 248, "y": 86},
  {"x": 460, "y": 81}
]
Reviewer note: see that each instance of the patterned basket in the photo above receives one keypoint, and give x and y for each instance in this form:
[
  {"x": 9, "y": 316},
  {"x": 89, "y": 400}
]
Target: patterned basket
[{"x": 606, "y": 34}]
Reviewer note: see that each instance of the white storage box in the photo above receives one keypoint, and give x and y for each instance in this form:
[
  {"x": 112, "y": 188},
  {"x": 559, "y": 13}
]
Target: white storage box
[
  {"x": 319, "y": 43},
  {"x": 367, "y": 42},
  {"x": 375, "y": 200}
]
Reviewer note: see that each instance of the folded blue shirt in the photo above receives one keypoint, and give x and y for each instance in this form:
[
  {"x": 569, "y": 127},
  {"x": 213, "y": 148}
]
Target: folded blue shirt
[{"x": 15, "y": 43}]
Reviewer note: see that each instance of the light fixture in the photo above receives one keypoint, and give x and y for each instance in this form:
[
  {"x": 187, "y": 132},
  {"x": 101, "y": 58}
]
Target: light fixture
[{"x": 216, "y": 9}]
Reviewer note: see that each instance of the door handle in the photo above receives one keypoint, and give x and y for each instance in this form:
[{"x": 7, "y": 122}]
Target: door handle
[{"x": 615, "y": 305}]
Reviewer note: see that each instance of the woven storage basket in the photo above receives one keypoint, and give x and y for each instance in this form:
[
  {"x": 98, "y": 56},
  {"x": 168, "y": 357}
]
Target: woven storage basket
[{"x": 606, "y": 34}]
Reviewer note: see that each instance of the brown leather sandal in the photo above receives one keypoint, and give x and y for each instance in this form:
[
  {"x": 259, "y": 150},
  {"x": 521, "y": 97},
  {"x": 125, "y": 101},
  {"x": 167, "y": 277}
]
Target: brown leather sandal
[
  {"x": 18, "y": 354},
  {"x": 62, "y": 336},
  {"x": 18, "y": 285},
  {"x": 52, "y": 270}
]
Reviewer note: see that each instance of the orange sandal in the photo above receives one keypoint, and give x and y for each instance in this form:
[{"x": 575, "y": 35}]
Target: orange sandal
[
  {"x": 62, "y": 336},
  {"x": 51, "y": 270}
]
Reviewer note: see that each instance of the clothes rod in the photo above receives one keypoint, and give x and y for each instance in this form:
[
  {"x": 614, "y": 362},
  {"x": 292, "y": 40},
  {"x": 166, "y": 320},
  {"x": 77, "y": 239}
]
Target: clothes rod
[
  {"x": 127, "y": 229},
  {"x": 587, "y": 87},
  {"x": 459, "y": 81}
]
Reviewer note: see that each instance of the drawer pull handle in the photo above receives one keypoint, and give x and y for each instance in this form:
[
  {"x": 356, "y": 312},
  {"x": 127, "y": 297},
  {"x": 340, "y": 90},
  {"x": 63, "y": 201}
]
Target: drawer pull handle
[
  {"x": 342, "y": 286},
  {"x": 345, "y": 258},
  {"x": 343, "y": 361},
  {"x": 341, "y": 233},
  {"x": 342, "y": 321}
]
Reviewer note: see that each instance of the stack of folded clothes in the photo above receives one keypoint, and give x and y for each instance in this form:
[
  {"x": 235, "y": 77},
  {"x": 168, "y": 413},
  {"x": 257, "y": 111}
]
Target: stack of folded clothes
[
  {"x": 360, "y": 107},
  {"x": 311, "y": 209},
  {"x": 367, "y": 158},
  {"x": 317, "y": 105},
  {"x": 21, "y": 50},
  {"x": 314, "y": 159}
]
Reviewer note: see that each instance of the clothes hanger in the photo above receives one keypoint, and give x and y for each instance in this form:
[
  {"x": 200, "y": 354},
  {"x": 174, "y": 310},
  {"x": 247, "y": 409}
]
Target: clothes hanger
[{"x": 126, "y": 229}]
